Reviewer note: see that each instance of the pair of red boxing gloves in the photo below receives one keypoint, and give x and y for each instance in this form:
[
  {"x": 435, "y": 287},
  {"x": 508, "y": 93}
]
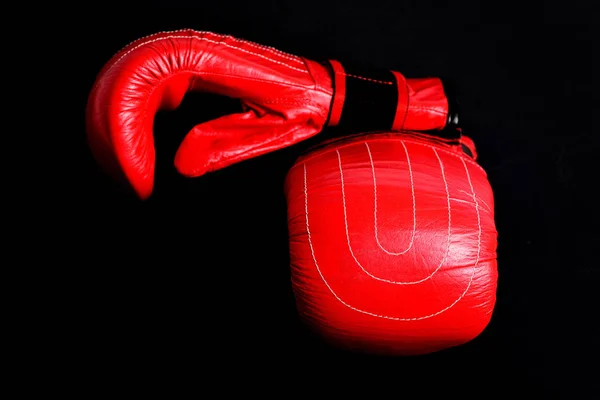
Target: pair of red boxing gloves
[{"x": 392, "y": 233}]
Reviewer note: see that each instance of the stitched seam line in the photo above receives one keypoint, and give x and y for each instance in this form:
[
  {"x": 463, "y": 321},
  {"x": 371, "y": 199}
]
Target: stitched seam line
[
  {"x": 441, "y": 264},
  {"x": 369, "y": 79},
  {"x": 459, "y": 155},
  {"x": 475, "y": 265},
  {"x": 145, "y": 40}
]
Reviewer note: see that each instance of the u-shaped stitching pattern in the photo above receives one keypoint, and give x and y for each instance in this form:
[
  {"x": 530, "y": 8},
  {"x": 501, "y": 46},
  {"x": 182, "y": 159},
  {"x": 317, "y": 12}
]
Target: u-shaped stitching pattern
[
  {"x": 414, "y": 219},
  {"x": 395, "y": 318}
]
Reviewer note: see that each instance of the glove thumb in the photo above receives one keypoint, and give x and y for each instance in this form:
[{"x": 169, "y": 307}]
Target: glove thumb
[{"x": 233, "y": 138}]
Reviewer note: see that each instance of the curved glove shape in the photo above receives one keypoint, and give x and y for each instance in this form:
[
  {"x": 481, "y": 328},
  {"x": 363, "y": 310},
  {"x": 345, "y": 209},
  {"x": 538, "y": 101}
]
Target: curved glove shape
[
  {"x": 285, "y": 99},
  {"x": 393, "y": 242}
]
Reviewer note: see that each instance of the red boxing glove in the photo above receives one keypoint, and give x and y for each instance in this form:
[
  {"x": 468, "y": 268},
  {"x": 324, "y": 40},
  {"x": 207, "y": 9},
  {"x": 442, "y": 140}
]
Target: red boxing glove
[
  {"x": 285, "y": 99},
  {"x": 393, "y": 242}
]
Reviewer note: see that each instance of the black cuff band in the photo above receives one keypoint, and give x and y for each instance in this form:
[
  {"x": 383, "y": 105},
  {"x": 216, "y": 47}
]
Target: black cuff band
[{"x": 371, "y": 99}]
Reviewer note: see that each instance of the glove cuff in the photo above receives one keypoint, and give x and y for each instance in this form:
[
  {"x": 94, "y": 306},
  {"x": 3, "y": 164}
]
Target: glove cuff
[
  {"x": 377, "y": 99},
  {"x": 367, "y": 99}
]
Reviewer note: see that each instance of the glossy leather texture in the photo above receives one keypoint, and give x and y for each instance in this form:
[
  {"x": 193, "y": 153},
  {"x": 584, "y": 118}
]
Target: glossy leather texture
[
  {"x": 285, "y": 99},
  {"x": 392, "y": 243}
]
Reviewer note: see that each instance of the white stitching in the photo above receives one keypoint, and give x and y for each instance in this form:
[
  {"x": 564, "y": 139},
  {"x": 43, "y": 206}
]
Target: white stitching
[
  {"x": 414, "y": 205},
  {"x": 202, "y": 39},
  {"x": 406, "y": 140},
  {"x": 291, "y": 57},
  {"x": 348, "y": 235},
  {"x": 386, "y": 316},
  {"x": 283, "y": 54},
  {"x": 369, "y": 79},
  {"x": 214, "y": 42},
  {"x": 278, "y": 52}
]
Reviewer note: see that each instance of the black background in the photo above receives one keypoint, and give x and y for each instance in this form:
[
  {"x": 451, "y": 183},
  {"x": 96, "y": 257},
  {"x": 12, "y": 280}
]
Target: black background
[{"x": 197, "y": 277}]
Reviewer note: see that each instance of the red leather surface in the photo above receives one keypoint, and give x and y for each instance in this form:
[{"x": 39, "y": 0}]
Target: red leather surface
[
  {"x": 285, "y": 99},
  {"x": 392, "y": 244}
]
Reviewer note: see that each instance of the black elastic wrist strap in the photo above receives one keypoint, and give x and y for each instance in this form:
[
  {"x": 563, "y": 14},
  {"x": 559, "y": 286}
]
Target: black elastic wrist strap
[
  {"x": 370, "y": 100},
  {"x": 364, "y": 99}
]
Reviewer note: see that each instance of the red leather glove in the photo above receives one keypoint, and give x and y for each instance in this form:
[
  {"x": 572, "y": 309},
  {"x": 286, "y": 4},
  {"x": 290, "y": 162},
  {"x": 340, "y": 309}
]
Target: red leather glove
[
  {"x": 392, "y": 242},
  {"x": 285, "y": 99}
]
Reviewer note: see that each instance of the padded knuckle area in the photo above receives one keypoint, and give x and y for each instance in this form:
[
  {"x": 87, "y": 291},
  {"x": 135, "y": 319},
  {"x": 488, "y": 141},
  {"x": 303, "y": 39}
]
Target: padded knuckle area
[{"x": 392, "y": 246}]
